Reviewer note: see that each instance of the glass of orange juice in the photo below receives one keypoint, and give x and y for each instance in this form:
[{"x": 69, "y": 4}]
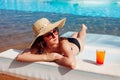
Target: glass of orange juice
[{"x": 100, "y": 55}]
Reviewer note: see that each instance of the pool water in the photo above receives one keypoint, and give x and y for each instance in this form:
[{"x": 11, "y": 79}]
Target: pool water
[
  {"x": 100, "y": 8},
  {"x": 101, "y": 17}
]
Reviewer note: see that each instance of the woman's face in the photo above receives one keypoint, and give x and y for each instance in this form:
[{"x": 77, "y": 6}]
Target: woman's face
[{"x": 52, "y": 38}]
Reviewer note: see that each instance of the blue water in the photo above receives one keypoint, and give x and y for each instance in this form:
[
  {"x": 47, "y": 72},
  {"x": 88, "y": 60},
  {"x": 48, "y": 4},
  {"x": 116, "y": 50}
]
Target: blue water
[
  {"x": 95, "y": 8},
  {"x": 100, "y": 16}
]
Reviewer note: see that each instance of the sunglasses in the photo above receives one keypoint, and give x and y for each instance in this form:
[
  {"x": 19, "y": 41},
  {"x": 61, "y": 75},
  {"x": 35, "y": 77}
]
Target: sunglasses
[{"x": 51, "y": 34}]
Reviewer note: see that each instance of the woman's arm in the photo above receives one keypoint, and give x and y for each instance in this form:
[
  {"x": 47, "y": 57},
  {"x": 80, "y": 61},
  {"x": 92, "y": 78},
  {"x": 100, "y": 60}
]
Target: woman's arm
[
  {"x": 67, "y": 62},
  {"x": 28, "y": 56},
  {"x": 68, "y": 59}
]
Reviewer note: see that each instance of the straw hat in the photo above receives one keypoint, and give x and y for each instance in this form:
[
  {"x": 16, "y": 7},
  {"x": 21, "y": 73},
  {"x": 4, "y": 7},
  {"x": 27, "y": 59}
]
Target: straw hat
[{"x": 43, "y": 26}]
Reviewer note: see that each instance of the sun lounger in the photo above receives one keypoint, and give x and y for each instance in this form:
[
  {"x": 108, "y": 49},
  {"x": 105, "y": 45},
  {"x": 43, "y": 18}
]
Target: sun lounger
[{"x": 87, "y": 69}]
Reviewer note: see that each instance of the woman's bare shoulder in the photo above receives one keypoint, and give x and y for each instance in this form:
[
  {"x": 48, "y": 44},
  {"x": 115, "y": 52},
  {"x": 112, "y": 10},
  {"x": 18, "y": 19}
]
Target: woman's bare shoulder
[{"x": 63, "y": 39}]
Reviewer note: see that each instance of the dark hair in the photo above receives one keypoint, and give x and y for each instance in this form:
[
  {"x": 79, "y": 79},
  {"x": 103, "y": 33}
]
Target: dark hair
[{"x": 40, "y": 45}]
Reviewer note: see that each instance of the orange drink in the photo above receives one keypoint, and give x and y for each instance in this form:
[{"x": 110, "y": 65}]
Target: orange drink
[{"x": 100, "y": 55}]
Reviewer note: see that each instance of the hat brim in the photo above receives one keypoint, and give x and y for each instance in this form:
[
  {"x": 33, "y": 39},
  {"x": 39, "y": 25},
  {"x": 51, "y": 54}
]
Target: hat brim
[{"x": 58, "y": 24}]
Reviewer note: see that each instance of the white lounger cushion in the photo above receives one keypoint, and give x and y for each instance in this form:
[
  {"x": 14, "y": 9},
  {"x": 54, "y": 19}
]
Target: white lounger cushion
[{"x": 86, "y": 66}]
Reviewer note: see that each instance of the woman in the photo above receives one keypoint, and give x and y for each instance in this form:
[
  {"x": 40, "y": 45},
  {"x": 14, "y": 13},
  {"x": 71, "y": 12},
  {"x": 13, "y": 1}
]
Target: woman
[{"x": 49, "y": 46}]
